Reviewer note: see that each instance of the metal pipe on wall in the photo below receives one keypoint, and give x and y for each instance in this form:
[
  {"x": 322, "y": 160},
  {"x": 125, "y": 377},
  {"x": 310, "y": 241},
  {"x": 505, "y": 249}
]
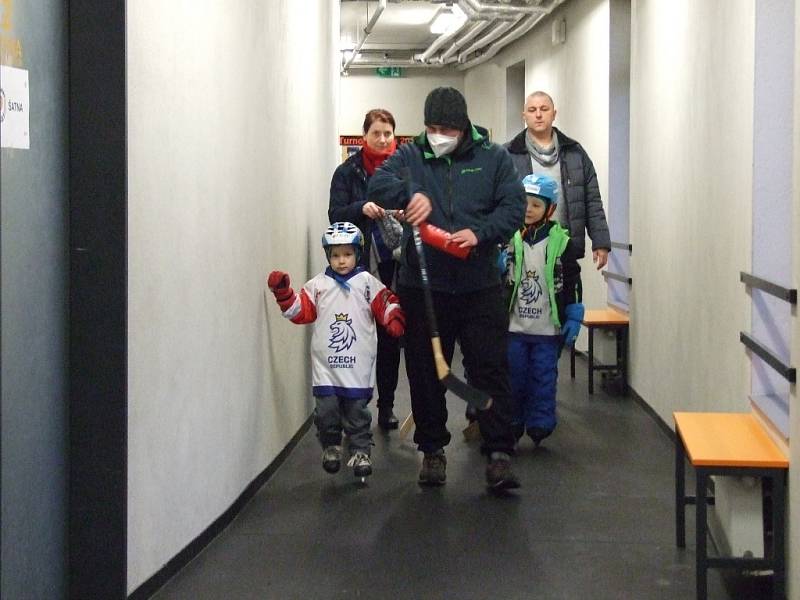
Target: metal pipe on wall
[
  {"x": 448, "y": 55},
  {"x": 487, "y": 39},
  {"x": 524, "y": 27},
  {"x": 367, "y": 30},
  {"x": 485, "y": 10}
]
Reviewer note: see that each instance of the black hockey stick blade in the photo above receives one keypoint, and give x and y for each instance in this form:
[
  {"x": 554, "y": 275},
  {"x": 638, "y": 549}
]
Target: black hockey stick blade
[{"x": 471, "y": 395}]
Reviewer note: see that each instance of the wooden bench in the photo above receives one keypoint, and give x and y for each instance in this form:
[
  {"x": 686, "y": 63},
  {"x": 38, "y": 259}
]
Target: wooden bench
[
  {"x": 604, "y": 318},
  {"x": 733, "y": 444}
]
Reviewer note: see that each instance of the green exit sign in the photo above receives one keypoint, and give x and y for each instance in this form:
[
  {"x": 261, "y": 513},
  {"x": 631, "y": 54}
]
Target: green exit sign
[{"x": 389, "y": 71}]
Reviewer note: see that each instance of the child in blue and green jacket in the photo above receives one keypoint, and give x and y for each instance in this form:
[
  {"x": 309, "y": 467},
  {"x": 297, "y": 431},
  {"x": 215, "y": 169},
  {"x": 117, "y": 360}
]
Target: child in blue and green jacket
[{"x": 545, "y": 310}]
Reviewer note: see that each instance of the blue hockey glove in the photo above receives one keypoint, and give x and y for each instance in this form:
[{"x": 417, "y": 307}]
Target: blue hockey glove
[
  {"x": 502, "y": 261},
  {"x": 572, "y": 323}
]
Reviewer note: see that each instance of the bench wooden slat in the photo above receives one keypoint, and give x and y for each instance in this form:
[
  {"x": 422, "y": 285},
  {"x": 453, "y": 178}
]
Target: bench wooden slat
[
  {"x": 727, "y": 439},
  {"x": 604, "y": 316}
]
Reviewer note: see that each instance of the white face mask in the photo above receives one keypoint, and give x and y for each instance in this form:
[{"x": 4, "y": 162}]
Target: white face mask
[{"x": 442, "y": 144}]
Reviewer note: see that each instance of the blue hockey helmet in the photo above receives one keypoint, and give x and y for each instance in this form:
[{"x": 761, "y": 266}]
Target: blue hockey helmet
[
  {"x": 542, "y": 186},
  {"x": 343, "y": 233}
]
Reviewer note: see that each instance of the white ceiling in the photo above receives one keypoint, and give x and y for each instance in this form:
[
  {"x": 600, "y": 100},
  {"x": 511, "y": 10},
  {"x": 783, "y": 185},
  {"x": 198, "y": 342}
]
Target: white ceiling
[
  {"x": 403, "y": 25},
  {"x": 402, "y": 32}
]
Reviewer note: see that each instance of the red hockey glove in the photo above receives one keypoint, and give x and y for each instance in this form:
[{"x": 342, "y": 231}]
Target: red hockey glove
[
  {"x": 280, "y": 285},
  {"x": 388, "y": 313},
  {"x": 439, "y": 239},
  {"x": 396, "y": 323}
]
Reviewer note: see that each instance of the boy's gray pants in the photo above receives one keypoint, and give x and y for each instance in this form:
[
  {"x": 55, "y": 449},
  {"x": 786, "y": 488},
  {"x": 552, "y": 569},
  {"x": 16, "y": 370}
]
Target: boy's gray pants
[{"x": 333, "y": 414}]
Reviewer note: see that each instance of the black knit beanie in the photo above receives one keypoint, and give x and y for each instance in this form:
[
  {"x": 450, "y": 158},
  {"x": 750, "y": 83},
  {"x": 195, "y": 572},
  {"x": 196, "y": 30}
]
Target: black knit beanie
[{"x": 446, "y": 107}]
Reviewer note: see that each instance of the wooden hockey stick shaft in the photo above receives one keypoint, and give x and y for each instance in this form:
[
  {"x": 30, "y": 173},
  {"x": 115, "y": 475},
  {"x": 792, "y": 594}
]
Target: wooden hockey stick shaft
[{"x": 406, "y": 426}]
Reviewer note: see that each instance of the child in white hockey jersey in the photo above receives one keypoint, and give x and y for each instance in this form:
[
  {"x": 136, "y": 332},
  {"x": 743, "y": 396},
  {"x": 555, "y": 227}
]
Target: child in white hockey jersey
[{"x": 344, "y": 302}]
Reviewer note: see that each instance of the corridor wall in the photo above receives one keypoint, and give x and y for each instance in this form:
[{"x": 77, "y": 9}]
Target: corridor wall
[
  {"x": 691, "y": 88},
  {"x": 231, "y": 144}
]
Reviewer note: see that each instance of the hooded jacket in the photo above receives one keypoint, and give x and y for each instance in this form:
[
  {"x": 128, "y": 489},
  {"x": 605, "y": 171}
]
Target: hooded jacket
[
  {"x": 580, "y": 192},
  {"x": 475, "y": 187}
]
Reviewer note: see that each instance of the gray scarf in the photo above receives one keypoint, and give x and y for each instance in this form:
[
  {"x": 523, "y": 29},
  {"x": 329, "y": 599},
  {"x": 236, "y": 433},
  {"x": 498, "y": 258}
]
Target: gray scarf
[{"x": 546, "y": 157}]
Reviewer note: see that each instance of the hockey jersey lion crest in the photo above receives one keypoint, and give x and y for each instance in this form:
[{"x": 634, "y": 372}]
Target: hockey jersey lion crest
[
  {"x": 342, "y": 333},
  {"x": 531, "y": 287}
]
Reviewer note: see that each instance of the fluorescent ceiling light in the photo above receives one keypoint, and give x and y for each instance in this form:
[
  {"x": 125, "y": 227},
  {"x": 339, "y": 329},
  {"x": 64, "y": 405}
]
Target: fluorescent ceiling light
[{"x": 447, "y": 19}]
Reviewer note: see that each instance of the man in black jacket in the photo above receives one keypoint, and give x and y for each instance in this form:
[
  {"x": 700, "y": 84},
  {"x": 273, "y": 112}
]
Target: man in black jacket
[
  {"x": 542, "y": 149},
  {"x": 467, "y": 186}
]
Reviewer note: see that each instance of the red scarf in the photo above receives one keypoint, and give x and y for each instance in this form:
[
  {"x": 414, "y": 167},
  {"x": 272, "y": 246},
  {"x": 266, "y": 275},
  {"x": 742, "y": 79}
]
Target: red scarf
[{"x": 372, "y": 159}]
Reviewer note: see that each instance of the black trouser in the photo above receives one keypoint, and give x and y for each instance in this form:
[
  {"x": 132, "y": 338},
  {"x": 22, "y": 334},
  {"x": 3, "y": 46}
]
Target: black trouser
[
  {"x": 388, "y": 360},
  {"x": 477, "y": 320}
]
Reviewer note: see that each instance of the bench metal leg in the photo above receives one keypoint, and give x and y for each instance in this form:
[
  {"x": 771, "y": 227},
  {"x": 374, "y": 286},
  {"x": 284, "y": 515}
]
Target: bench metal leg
[
  {"x": 701, "y": 535},
  {"x": 622, "y": 353},
  {"x": 591, "y": 359},
  {"x": 778, "y": 541},
  {"x": 680, "y": 493}
]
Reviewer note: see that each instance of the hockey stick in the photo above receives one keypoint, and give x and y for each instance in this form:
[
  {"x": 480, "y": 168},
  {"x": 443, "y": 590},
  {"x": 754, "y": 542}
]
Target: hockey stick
[
  {"x": 407, "y": 426},
  {"x": 472, "y": 396}
]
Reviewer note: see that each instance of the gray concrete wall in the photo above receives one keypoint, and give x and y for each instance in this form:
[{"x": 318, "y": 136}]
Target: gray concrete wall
[{"x": 33, "y": 295}]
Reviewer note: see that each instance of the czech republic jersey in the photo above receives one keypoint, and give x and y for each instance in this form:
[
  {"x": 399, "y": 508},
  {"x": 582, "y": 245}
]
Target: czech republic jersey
[{"x": 344, "y": 344}]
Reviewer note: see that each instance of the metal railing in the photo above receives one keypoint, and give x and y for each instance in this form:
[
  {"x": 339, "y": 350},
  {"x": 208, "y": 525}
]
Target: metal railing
[
  {"x": 618, "y": 276},
  {"x": 788, "y": 372},
  {"x": 788, "y": 294}
]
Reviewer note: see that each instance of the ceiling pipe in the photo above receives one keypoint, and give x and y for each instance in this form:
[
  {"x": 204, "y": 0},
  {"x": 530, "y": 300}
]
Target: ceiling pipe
[
  {"x": 448, "y": 56},
  {"x": 525, "y": 26},
  {"x": 474, "y": 15},
  {"x": 487, "y": 39},
  {"x": 367, "y": 30},
  {"x": 439, "y": 42},
  {"x": 392, "y": 62},
  {"x": 489, "y": 9}
]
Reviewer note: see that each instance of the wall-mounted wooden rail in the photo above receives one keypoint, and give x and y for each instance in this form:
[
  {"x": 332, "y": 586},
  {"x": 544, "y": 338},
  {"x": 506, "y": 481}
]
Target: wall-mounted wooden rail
[
  {"x": 788, "y": 294},
  {"x": 786, "y": 371}
]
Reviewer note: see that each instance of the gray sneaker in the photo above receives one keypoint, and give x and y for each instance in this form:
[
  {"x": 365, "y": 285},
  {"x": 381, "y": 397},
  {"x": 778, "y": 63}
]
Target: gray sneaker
[
  {"x": 332, "y": 459},
  {"x": 434, "y": 466}
]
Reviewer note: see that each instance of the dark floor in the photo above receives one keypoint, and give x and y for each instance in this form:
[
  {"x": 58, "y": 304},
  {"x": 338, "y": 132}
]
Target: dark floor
[{"x": 593, "y": 520}]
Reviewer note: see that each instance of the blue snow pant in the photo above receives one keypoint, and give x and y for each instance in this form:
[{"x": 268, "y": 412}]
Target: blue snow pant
[
  {"x": 533, "y": 362},
  {"x": 333, "y": 413}
]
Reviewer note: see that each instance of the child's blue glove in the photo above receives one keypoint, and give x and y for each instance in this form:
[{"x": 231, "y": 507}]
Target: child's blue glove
[{"x": 572, "y": 323}]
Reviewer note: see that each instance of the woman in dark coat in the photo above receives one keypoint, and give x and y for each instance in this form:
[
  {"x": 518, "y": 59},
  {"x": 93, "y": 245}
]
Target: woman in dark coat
[{"x": 348, "y": 202}]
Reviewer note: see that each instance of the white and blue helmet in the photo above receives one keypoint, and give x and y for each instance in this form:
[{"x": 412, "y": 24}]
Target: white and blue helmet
[
  {"x": 340, "y": 233},
  {"x": 543, "y": 186}
]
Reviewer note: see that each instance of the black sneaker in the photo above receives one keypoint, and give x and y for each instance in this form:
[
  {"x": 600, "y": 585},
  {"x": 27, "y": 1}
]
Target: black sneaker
[
  {"x": 499, "y": 475},
  {"x": 332, "y": 459},
  {"x": 386, "y": 419},
  {"x": 434, "y": 466},
  {"x": 537, "y": 434}
]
